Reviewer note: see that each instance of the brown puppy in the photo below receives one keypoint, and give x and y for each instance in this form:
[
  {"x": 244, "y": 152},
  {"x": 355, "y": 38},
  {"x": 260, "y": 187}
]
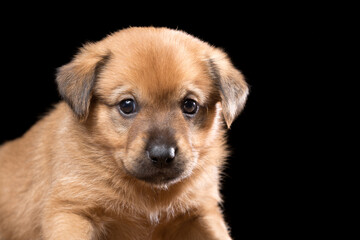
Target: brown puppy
[{"x": 134, "y": 152}]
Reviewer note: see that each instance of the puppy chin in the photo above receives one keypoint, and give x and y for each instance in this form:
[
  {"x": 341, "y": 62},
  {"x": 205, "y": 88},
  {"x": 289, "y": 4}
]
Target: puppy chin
[{"x": 163, "y": 185}]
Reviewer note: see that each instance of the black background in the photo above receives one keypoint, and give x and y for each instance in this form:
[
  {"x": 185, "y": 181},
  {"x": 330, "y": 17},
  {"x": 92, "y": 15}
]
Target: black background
[{"x": 259, "y": 182}]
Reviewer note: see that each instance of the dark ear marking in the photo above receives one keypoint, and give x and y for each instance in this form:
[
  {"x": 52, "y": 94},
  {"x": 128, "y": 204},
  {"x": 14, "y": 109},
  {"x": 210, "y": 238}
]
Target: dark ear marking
[
  {"x": 76, "y": 80},
  {"x": 231, "y": 85},
  {"x": 215, "y": 75}
]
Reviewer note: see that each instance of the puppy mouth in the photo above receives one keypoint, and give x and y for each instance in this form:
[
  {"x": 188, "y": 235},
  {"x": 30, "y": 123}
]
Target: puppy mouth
[
  {"x": 156, "y": 175},
  {"x": 160, "y": 178}
]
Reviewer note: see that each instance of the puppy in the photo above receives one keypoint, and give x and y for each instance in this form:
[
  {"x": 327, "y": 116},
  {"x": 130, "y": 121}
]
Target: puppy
[{"x": 135, "y": 150}]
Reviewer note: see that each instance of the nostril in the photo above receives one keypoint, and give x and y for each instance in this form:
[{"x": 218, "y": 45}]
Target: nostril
[{"x": 151, "y": 157}]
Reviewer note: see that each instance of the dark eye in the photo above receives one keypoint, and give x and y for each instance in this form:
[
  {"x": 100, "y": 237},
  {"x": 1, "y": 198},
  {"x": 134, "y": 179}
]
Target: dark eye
[
  {"x": 128, "y": 106},
  {"x": 190, "y": 107}
]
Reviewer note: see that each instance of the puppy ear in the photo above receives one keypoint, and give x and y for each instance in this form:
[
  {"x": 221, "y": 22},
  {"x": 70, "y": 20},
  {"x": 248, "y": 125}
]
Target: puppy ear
[
  {"x": 231, "y": 85},
  {"x": 76, "y": 79}
]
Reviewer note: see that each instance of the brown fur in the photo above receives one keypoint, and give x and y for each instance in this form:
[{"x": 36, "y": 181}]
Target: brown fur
[{"x": 71, "y": 176}]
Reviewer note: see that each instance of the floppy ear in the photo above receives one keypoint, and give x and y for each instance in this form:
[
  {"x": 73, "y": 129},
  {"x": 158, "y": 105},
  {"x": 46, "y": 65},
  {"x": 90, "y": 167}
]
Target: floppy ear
[
  {"x": 76, "y": 79},
  {"x": 231, "y": 85}
]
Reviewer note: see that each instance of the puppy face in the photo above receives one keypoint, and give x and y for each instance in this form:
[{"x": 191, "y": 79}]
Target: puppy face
[{"x": 153, "y": 98}]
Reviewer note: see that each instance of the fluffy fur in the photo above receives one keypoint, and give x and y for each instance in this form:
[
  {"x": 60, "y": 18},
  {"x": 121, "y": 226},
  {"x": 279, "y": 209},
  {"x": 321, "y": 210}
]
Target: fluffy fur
[{"x": 73, "y": 174}]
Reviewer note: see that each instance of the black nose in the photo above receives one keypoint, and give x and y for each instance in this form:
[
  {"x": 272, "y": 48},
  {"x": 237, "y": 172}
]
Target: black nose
[{"x": 161, "y": 155}]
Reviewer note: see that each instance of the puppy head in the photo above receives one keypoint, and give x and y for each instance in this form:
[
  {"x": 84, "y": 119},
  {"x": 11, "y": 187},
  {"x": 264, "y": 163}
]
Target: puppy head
[{"x": 153, "y": 96}]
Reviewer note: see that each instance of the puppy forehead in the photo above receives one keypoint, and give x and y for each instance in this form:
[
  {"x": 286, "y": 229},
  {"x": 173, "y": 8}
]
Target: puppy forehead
[{"x": 159, "y": 69}]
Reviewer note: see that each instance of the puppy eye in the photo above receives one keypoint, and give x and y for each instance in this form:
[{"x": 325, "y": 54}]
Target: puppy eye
[
  {"x": 190, "y": 107},
  {"x": 127, "y": 106}
]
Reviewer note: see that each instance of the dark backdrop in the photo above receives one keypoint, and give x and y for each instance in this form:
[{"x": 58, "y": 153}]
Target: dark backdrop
[{"x": 258, "y": 183}]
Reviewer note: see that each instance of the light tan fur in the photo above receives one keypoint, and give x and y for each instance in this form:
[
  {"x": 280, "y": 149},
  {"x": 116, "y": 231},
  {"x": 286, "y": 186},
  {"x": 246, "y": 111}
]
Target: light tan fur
[{"x": 70, "y": 176}]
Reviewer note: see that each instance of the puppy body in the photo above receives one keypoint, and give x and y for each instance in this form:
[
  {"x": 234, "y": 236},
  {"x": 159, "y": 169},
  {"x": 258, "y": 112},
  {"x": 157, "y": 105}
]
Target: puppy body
[{"x": 83, "y": 171}]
